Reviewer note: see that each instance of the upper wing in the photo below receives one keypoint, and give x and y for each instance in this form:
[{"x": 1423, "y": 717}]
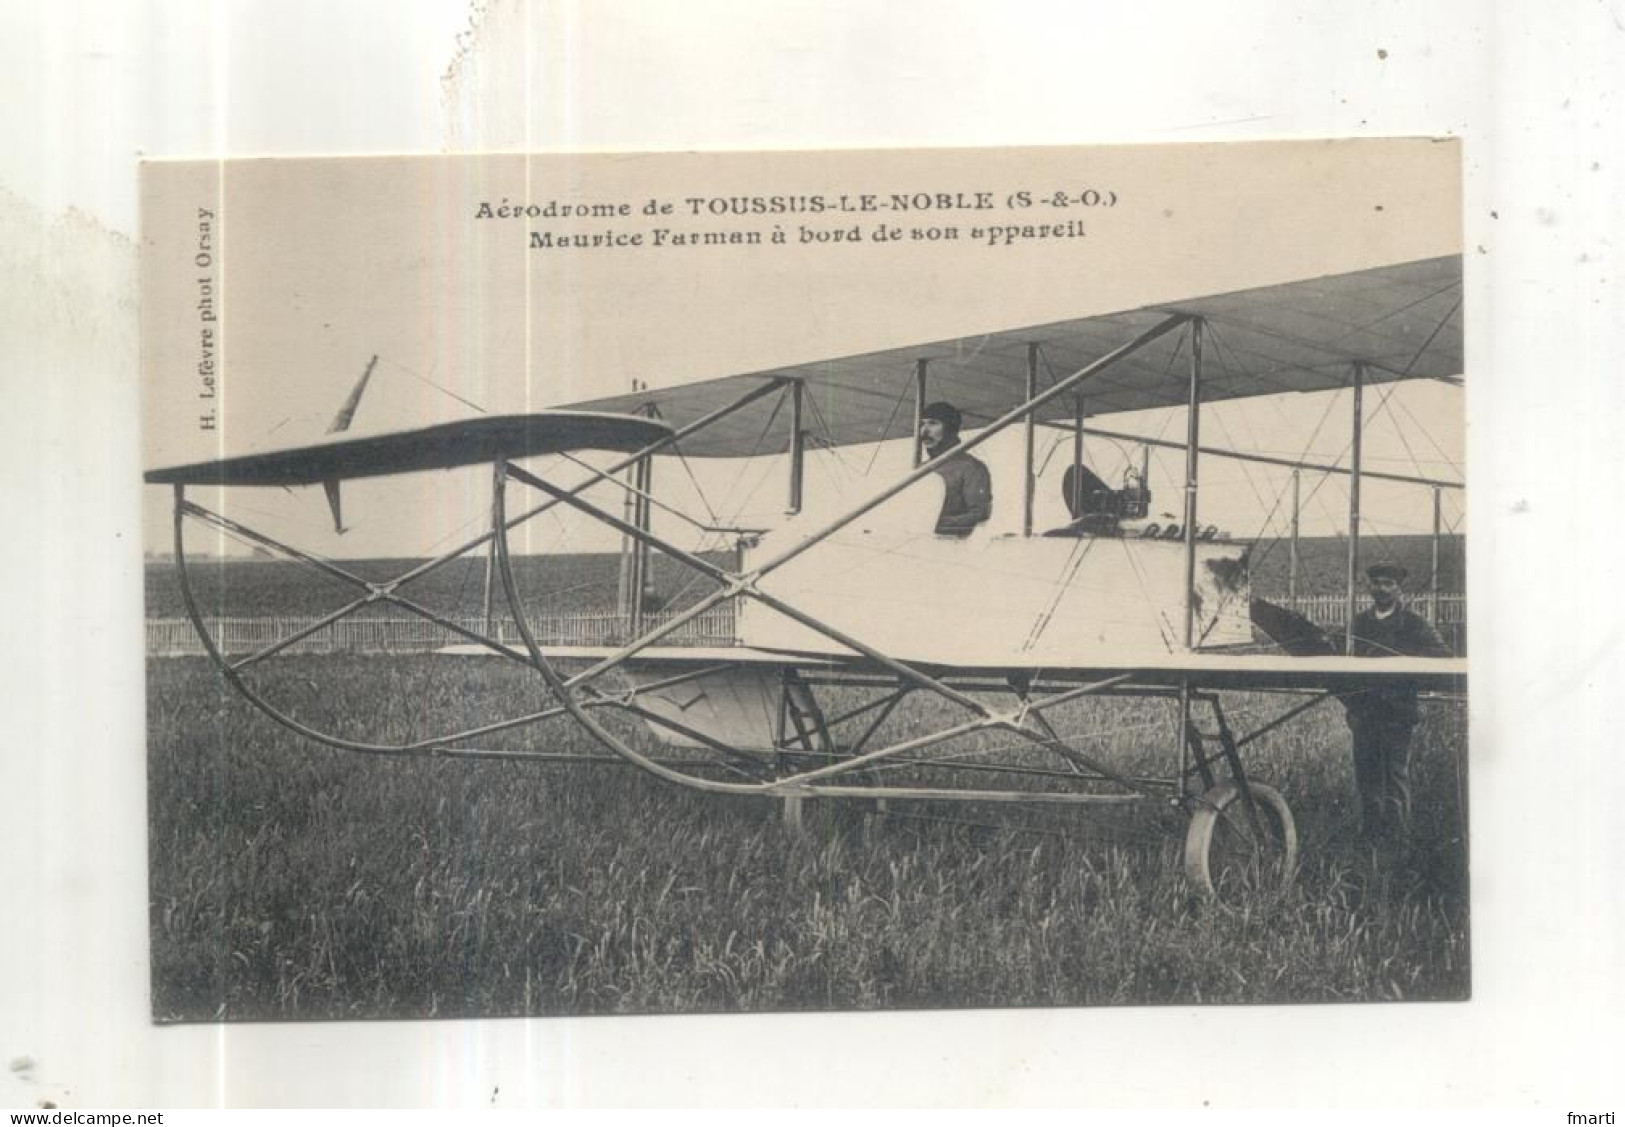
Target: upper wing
[
  {"x": 465, "y": 443},
  {"x": 1402, "y": 322}
]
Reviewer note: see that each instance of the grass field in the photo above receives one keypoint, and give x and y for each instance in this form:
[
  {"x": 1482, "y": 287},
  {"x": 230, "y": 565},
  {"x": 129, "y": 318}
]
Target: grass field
[{"x": 288, "y": 881}]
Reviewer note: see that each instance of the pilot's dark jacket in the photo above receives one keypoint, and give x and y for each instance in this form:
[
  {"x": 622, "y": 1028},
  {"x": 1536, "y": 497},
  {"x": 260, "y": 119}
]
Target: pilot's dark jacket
[
  {"x": 1383, "y": 718},
  {"x": 1402, "y": 633},
  {"x": 967, "y": 499}
]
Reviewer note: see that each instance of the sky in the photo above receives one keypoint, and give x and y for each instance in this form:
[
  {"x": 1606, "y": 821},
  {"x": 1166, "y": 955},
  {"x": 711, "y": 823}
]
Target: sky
[{"x": 327, "y": 263}]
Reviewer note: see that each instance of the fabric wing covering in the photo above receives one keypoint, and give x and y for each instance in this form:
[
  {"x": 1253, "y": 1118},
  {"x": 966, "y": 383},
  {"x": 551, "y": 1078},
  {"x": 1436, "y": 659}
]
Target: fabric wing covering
[
  {"x": 466, "y": 443},
  {"x": 1402, "y": 321}
]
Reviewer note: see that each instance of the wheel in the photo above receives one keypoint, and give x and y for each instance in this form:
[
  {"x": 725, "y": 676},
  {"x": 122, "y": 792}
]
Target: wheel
[{"x": 1235, "y": 856}]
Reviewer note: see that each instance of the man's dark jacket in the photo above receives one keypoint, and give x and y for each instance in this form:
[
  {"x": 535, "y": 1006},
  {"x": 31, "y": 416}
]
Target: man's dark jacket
[
  {"x": 967, "y": 498},
  {"x": 1403, "y": 633}
]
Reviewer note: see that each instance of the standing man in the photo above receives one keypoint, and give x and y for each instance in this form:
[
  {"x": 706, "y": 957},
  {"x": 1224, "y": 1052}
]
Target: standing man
[
  {"x": 967, "y": 499},
  {"x": 1382, "y": 719}
]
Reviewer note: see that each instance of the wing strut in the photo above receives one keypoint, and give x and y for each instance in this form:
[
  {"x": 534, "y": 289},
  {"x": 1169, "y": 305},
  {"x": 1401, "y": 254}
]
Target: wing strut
[{"x": 1354, "y": 507}]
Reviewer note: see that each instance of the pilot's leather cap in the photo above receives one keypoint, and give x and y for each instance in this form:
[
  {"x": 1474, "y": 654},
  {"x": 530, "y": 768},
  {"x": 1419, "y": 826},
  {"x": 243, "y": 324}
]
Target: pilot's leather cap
[{"x": 945, "y": 413}]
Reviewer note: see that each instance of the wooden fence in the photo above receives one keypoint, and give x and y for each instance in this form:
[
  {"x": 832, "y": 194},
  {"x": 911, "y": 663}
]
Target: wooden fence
[
  {"x": 1448, "y": 613},
  {"x": 174, "y": 637}
]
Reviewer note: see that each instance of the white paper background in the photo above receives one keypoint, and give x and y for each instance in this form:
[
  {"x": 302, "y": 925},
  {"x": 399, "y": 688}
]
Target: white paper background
[{"x": 1532, "y": 89}]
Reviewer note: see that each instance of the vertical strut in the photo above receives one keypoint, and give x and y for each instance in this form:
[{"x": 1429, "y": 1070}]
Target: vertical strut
[
  {"x": 1145, "y": 479},
  {"x": 1077, "y": 443},
  {"x": 797, "y": 445},
  {"x": 644, "y": 484},
  {"x": 634, "y": 553},
  {"x": 1201, "y": 762},
  {"x": 1027, "y": 443},
  {"x": 490, "y": 575},
  {"x": 1193, "y": 426},
  {"x": 625, "y": 588},
  {"x": 1182, "y": 740},
  {"x": 1292, "y": 547},
  {"x": 1433, "y": 583},
  {"x": 1354, "y": 507},
  {"x": 919, "y": 406},
  {"x": 491, "y": 550}
]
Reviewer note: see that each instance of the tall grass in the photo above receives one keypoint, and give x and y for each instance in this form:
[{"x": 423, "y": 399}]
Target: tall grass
[{"x": 290, "y": 881}]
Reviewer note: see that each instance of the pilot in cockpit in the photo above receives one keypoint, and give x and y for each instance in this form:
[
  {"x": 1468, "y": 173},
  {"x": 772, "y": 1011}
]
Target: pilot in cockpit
[{"x": 967, "y": 498}]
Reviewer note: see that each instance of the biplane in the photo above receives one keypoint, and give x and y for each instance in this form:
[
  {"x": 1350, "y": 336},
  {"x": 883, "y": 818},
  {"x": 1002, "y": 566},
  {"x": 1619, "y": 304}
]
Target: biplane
[{"x": 842, "y": 615}]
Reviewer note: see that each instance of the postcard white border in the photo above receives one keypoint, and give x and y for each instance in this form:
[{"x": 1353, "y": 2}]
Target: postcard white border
[{"x": 1534, "y": 93}]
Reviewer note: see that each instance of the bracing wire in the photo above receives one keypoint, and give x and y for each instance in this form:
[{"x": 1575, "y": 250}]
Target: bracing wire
[
  {"x": 421, "y": 378},
  {"x": 1454, "y": 467},
  {"x": 886, "y": 430},
  {"x": 1080, "y": 549},
  {"x": 755, "y": 448},
  {"x": 633, "y": 491},
  {"x": 699, "y": 491},
  {"x": 823, "y": 424}
]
